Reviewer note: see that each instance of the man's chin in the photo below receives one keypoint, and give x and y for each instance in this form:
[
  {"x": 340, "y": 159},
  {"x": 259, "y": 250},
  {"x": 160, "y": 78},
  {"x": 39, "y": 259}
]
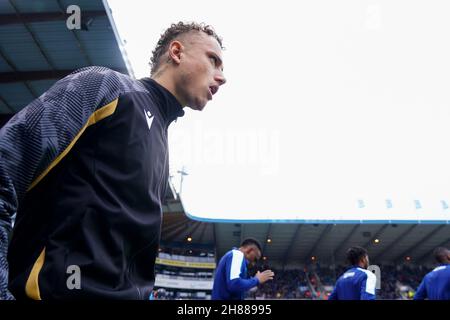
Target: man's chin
[{"x": 198, "y": 106}]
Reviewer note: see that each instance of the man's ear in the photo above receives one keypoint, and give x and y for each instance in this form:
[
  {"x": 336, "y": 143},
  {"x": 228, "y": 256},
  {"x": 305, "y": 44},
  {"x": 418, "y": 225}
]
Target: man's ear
[{"x": 175, "y": 50}]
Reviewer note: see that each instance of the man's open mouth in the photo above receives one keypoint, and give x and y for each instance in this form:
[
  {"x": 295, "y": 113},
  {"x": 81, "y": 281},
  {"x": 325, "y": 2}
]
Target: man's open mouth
[{"x": 213, "y": 89}]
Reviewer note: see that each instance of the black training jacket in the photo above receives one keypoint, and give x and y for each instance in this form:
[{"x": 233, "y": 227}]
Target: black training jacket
[{"x": 84, "y": 168}]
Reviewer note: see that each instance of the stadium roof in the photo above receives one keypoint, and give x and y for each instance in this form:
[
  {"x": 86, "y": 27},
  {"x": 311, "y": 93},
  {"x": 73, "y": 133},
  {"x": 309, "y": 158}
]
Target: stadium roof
[
  {"x": 37, "y": 48},
  {"x": 296, "y": 244}
]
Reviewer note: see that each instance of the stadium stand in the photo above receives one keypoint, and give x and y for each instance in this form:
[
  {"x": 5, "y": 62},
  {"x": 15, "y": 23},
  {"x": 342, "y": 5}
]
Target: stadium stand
[{"x": 184, "y": 274}]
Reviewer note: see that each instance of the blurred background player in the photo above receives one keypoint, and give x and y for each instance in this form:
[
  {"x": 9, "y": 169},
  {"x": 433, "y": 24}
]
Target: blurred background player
[
  {"x": 357, "y": 283},
  {"x": 231, "y": 280},
  {"x": 436, "y": 284}
]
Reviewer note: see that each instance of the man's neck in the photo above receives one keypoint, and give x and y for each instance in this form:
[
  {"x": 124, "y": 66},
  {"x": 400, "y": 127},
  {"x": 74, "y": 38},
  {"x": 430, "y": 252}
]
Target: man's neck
[
  {"x": 165, "y": 81},
  {"x": 361, "y": 265}
]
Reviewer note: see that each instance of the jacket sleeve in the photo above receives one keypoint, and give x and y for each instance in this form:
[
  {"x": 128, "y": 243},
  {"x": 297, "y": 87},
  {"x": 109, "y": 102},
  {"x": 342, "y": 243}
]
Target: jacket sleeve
[
  {"x": 235, "y": 282},
  {"x": 368, "y": 285},
  {"x": 37, "y": 135},
  {"x": 421, "y": 293}
]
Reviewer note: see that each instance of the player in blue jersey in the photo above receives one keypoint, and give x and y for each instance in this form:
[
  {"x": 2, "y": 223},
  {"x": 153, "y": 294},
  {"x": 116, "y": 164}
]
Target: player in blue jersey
[
  {"x": 231, "y": 281},
  {"x": 357, "y": 283},
  {"x": 436, "y": 284}
]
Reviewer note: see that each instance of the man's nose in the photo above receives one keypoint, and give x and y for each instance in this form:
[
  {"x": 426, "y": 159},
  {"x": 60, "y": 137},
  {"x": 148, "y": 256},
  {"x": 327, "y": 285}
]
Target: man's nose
[{"x": 220, "y": 78}]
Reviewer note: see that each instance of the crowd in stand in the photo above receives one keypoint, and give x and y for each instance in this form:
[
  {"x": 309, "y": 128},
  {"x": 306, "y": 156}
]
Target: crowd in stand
[
  {"x": 288, "y": 284},
  {"x": 406, "y": 276}
]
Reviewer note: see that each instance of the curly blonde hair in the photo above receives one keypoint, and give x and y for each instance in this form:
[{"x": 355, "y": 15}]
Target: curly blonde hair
[{"x": 175, "y": 30}]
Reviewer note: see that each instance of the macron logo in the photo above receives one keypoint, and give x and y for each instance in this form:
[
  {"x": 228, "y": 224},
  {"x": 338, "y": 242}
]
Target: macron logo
[{"x": 149, "y": 118}]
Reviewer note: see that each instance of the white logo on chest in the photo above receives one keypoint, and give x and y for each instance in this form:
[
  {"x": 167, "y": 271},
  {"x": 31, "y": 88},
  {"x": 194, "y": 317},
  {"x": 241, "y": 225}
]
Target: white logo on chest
[{"x": 149, "y": 118}]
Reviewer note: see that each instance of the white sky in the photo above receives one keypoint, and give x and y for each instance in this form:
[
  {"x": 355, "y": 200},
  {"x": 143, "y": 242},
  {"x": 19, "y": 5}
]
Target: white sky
[{"x": 327, "y": 103}]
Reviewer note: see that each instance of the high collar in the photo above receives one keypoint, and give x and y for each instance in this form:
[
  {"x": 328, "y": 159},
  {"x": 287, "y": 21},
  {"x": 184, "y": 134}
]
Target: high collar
[
  {"x": 167, "y": 104},
  {"x": 354, "y": 267}
]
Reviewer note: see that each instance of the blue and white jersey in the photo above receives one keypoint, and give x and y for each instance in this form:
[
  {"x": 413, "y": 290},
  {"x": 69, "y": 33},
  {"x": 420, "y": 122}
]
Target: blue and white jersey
[
  {"x": 231, "y": 280},
  {"x": 355, "y": 284},
  {"x": 435, "y": 285}
]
